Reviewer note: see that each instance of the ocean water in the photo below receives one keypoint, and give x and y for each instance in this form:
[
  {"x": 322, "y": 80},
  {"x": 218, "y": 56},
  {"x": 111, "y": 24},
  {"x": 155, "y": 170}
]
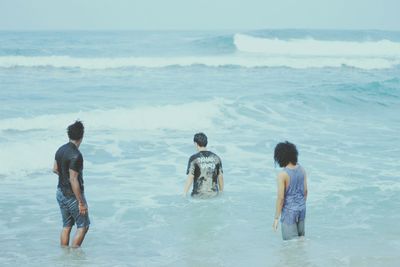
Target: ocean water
[{"x": 142, "y": 96}]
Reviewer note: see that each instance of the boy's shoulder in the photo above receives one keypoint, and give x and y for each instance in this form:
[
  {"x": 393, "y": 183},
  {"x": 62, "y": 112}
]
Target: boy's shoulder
[{"x": 194, "y": 156}]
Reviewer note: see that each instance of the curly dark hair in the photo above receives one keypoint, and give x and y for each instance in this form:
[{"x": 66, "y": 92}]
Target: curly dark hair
[
  {"x": 285, "y": 153},
  {"x": 76, "y": 130},
  {"x": 200, "y": 139}
]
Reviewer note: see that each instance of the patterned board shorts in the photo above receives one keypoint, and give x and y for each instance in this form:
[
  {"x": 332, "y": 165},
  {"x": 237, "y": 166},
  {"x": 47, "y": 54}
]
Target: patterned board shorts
[{"x": 70, "y": 211}]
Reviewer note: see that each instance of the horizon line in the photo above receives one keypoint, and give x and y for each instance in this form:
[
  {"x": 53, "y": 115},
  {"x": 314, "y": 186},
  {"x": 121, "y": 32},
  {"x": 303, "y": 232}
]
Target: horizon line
[{"x": 195, "y": 30}]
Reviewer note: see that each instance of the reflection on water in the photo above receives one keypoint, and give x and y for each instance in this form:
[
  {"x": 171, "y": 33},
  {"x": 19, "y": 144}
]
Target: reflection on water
[
  {"x": 294, "y": 253},
  {"x": 71, "y": 257}
]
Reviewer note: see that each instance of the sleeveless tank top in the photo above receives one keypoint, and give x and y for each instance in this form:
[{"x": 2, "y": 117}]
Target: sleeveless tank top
[{"x": 294, "y": 206}]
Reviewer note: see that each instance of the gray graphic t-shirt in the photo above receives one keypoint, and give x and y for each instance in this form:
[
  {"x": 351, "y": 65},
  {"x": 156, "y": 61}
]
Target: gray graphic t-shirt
[{"x": 205, "y": 166}]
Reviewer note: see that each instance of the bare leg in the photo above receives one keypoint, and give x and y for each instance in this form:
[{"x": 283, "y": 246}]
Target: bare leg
[
  {"x": 300, "y": 228},
  {"x": 79, "y": 236},
  {"x": 64, "y": 237}
]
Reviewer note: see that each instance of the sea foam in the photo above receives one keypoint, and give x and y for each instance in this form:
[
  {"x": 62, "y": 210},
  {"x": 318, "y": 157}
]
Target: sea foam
[{"x": 46, "y": 132}]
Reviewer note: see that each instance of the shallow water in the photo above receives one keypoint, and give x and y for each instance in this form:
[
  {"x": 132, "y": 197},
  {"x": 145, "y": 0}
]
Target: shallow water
[{"x": 140, "y": 122}]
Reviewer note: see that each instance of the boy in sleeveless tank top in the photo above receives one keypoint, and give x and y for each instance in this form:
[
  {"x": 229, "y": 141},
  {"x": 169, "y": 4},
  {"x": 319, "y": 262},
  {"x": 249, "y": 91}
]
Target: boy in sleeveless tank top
[{"x": 292, "y": 192}]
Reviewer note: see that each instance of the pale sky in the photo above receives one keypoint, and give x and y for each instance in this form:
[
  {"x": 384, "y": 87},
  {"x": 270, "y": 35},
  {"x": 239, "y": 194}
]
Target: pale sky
[{"x": 198, "y": 14}]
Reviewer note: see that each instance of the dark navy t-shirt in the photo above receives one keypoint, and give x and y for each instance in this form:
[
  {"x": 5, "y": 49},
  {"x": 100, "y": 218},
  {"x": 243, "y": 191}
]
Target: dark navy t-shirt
[
  {"x": 205, "y": 166},
  {"x": 69, "y": 157}
]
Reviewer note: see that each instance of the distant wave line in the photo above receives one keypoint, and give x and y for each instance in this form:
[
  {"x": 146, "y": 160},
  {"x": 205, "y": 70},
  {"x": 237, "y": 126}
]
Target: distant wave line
[
  {"x": 313, "y": 47},
  {"x": 247, "y": 61}
]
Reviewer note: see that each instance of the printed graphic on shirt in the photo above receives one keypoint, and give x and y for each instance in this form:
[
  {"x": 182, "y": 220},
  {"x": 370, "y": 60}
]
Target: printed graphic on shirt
[{"x": 205, "y": 166}]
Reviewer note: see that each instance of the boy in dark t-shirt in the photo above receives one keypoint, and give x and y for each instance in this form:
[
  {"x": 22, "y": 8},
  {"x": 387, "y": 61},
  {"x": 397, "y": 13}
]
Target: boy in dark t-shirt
[
  {"x": 68, "y": 165},
  {"x": 204, "y": 171}
]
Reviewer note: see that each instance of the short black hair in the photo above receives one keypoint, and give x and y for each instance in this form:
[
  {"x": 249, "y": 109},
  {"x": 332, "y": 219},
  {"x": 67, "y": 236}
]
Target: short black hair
[
  {"x": 285, "y": 153},
  {"x": 76, "y": 130},
  {"x": 200, "y": 139}
]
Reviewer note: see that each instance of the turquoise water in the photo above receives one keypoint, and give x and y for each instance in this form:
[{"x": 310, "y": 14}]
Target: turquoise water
[{"x": 142, "y": 96}]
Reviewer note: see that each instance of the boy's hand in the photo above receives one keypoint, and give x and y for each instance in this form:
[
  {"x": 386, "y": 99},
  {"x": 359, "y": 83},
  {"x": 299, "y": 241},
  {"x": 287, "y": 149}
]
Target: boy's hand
[{"x": 275, "y": 225}]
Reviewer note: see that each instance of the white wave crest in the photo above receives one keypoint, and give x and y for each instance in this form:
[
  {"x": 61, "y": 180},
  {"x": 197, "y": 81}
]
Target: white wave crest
[
  {"x": 312, "y": 47},
  {"x": 47, "y": 132},
  {"x": 246, "y": 61},
  {"x": 177, "y": 117},
  {"x": 251, "y": 52}
]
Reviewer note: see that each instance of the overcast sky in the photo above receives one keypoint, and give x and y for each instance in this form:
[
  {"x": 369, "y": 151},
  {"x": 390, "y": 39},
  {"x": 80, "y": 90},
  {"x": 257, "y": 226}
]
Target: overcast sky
[{"x": 198, "y": 14}]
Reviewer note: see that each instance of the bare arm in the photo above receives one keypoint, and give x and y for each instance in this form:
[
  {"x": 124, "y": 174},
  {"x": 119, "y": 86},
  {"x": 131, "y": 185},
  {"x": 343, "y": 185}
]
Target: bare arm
[
  {"x": 73, "y": 178},
  {"x": 55, "y": 167},
  {"x": 305, "y": 186},
  {"x": 280, "y": 198},
  {"x": 221, "y": 182},
  {"x": 188, "y": 183}
]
